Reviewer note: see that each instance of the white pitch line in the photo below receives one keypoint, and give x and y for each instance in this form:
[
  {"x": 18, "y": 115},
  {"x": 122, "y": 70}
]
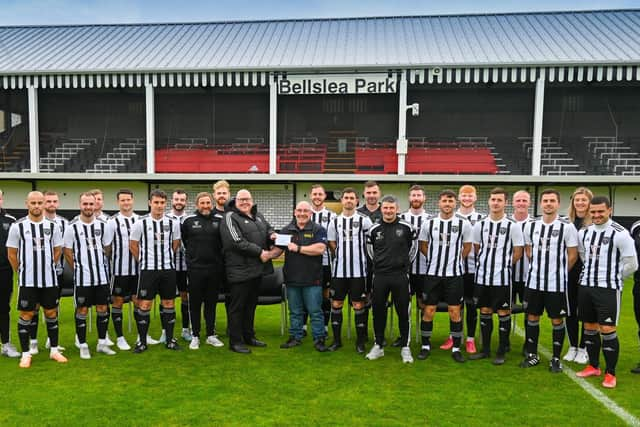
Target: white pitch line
[{"x": 606, "y": 401}]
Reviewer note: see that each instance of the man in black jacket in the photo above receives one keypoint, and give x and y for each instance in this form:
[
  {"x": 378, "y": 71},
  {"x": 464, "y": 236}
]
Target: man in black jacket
[
  {"x": 303, "y": 276},
  {"x": 248, "y": 250},
  {"x": 203, "y": 250},
  {"x": 6, "y": 283}
]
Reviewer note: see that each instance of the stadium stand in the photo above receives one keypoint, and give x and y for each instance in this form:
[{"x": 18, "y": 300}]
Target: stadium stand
[
  {"x": 305, "y": 155},
  {"x": 193, "y": 157},
  {"x": 125, "y": 156},
  {"x": 555, "y": 158},
  {"x": 375, "y": 157},
  {"x": 14, "y": 156},
  {"x": 465, "y": 155},
  {"x": 64, "y": 153},
  {"x": 614, "y": 156}
]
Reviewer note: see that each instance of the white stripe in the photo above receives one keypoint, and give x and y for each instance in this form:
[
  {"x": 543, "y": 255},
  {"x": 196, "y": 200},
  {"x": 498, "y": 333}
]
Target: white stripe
[{"x": 608, "y": 403}]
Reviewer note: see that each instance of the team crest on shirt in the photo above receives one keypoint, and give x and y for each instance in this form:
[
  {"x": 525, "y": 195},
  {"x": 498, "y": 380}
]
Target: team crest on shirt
[
  {"x": 98, "y": 233},
  {"x": 399, "y": 232},
  {"x": 605, "y": 240},
  {"x": 165, "y": 227},
  {"x": 143, "y": 292},
  {"x": 503, "y": 230},
  {"x": 24, "y": 303},
  {"x": 6, "y": 226},
  {"x": 555, "y": 233},
  {"x": 472, "y": 221},
  {"x": 454, "y": 229},
  {"x": 47, "y": 232},
  {"x": 324, "y": 219},
  {"x": 196, "y": 224},
  {"x": 356, "y": 224}
]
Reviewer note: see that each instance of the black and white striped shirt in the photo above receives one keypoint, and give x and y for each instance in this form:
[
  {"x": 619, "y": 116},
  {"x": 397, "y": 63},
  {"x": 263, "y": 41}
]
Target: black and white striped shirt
[
  {"x": 324, "y": 217},
  {"x": 419, "y": 265},
  {"x": 445, "y": 238},
  {"x": 521, "y": 268},
  {"x": 496, "y": 240},
  {"x": 122, "y": 261},
  {"x": 155, "y": 239},
  {"x": 35, "y": 242},
  {"x": 180, "y": 259},
  {"x": 62, "y": 223},
  {"x": 548, "y": 268},
  {"x": 349, "y": 233},
  {"x": 87, "y": 243},
  {"x": 470, "y": 261},
  {"x": 602, "y": 248}
]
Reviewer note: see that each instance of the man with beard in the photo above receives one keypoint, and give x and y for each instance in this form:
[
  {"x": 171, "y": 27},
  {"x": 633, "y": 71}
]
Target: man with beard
[
  {"x": 99, "y": 195},
  {"x": 178, "y": 204},
  {"x": 221, "y": 195}
]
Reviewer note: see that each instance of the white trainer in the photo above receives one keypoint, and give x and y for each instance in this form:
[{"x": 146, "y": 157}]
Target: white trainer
[
  {"x": 77, "y": 342},
  {"x": 376, "y": 353},
  {"x": 582, "y": 357},
  {"x": 214, "y": 341},
  {"x": 9, "y": 350},
  {"x": 33, "y": 347},
  {"x": 195, "y": 343},
  {"x": 186, "y": 334},
  {"x": 55, "y": 354},
  {"x": 104, "y": 348},
  {"x": 405, "y": 353},
  {"x": 571, "y": 354},
  {"x": 122, "y": 344},
  {"x": 151, "y": 341},
  {"x": 163, "y": 337},
  {"x": 108, "y": 341},
  {"x": 84, "y": 351}
]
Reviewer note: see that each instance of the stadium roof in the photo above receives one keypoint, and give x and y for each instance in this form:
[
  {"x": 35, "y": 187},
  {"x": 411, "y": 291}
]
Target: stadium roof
[{"x": 610, "y": 37}]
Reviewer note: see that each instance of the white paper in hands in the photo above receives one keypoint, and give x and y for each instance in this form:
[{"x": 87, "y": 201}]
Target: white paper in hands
[{"x": 282, "y": 239}]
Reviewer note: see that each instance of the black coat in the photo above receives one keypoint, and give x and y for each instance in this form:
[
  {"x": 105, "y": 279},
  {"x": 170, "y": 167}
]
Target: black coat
[{"x": 243, "y": 239}]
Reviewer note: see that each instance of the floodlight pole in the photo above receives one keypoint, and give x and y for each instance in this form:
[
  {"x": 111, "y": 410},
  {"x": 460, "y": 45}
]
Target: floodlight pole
[
  {"x": 536, "y": 152},
  {"x": 151, "y": 130},
  {"x": 34, "y": 133}
]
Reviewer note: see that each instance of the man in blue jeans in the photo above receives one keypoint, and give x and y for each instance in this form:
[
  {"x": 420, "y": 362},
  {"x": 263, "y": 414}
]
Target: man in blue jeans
[{"x": 303, "y": 275}]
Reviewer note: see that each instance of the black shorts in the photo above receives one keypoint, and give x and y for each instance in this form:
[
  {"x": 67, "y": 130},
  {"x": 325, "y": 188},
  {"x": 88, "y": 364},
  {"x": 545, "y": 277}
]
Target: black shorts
[
  {"x": 326, "y": 276},
  {"x": 181, "y": 281},
  {"x": 599, "y": 305},
  {"x": 536, "y": 302},
  {"x": 154, "y": 282},
  {"x": 124, "y": 286},
  {"x": 447, "y": 289},
  {"x": 354, "y": 287},
  {"x": 88, "y": 296},
  {"x": 29, "y": 298},
  {"x": 494, "y": 297},
  {"x": 416, "y": 284},
  {"x": 469, "y": 280}
]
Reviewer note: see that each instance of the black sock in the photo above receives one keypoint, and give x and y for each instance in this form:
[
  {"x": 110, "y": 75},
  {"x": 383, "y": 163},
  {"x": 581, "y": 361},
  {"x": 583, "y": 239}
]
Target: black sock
[
  {"x": 504, "y": 329},
  {"x": 52, "y": 330},
  {"x": 4, "y": 326},
  {"x": 24, "y": 328},
  {"x": 611, "y": 351},
  {"x": 168, "y": 318},
  {"x": 532, "y": 334},
  {"x": 592, "y": 342},
  {"x": 456, "y": 333},
  {"x": 33, "y": 327},
  {"x": 142, "y": 321},
  {"x": 81, "y": 327},
  {"x": 360, "y": 318},
  {"x": 426, "y": 330},
  {"x": 336, "y": 324},
  {"x": 116, "y": 317},
  {"x": 486, "y": 329},
  {"x": 472, "y": 318},
  {"x": 184, "y": 311},
  {"x": 102, "y": 324},
  {"x": 326, "y": 310},
  {"x": 558, "y": 339}
]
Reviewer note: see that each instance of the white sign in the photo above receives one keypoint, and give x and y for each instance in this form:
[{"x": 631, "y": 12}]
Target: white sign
[{"x": 337, "y": 84}]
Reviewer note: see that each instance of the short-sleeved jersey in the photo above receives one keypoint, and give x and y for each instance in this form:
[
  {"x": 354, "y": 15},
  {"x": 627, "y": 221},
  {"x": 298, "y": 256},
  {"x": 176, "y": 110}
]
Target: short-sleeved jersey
[
  {"x": 419, "y": 265},
  {"x": 496, "y": 240},
  {"x": 470, "y": 261},
  {"x": 349, "y": 233},
  {"x": 521, "y": 268},
  {"x": 602, "y": 248},
  {"x": 122, "y": 261},
  {"x": 445, "y": 238},
  {"x": 155, "y": 237},
  {"x": 180, "y": 260},
  {"x": 35, "y": 242},
  {"x": 323, "y": 218},
  {"x": 548, "y": 268},
  {"x": 87, "y": 241}
]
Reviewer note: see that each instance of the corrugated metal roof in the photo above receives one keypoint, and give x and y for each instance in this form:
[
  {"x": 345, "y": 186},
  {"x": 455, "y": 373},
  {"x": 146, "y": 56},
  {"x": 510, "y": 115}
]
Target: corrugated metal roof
[{"x": 525, "y": 39}]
